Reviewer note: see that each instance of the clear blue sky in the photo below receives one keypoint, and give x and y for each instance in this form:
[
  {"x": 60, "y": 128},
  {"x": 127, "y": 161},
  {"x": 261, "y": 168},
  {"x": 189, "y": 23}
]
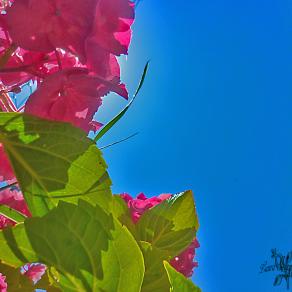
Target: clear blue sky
[{"x": 214, "y": 116}]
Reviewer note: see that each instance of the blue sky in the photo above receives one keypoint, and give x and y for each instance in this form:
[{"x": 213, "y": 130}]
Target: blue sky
[{"x": 214, "y": 116}]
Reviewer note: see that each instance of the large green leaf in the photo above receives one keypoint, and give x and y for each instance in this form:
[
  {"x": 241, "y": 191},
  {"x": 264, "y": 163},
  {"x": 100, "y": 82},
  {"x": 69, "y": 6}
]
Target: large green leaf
[
  {"x": 53, "y": 160},
  {"x": 89, "y": 248},
  {"x": 121, "y": 211},
  {"x": 164, "y": 231},
  {"x": 178, "y": 282}
]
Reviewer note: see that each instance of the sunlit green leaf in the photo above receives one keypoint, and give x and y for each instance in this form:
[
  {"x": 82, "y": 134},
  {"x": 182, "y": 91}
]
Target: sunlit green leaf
[
  {"x": 178, "y": 282},
  {"x": 172, "y": 224},
  {"x": 90, "y": 249},
  {"x": 164, "y": 231},
  {"x": 11, "y": 214},
  {"x": 53, "y": 161}
]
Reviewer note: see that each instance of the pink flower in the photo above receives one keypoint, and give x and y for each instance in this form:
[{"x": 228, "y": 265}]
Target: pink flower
[
  {"x": 110, "y": 36},
  {"x": 94, "y": 30},
  {"x": 111, "y": 28},
  {"x": 43, "y": 25},
  {"x": 139, "y": 205},
  {"x": 6, "y": 171},
  {"x": 34, "y": 271},
  {"x": 3, "y": 284},
  {"x": 13, "y": 198},
  {"x": 184, "y": 262},
  {"x": 71, "y": 95},
  {"x": 5, "y": 222}
]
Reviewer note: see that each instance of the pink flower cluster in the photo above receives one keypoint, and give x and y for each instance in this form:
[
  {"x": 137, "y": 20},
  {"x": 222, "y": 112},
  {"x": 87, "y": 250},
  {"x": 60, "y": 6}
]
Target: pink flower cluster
[
  {"x": 70, "y": 48},
  {"x": 139, "y": 205},
  {"x": 184, "y": 262}
]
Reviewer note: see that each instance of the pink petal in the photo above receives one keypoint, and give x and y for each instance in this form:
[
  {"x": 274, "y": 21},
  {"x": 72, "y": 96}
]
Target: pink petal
[
  {"x": 3, "y": 284},
  {"x": 34, "y": 271}
]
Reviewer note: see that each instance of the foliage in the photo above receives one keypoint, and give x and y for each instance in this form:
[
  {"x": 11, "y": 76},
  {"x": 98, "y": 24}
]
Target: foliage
[
  {"x": 178, "y": 282},
  {"x": 162, "y": 231},
  {"x": 49, "y": 158},
  {"x": 61, "y": 229}
]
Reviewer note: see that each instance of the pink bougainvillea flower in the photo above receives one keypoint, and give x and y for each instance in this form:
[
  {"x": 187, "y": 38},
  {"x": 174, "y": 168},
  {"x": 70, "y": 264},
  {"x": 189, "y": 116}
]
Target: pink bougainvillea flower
[
  {"x": 71, "y": 95},
  {"x": 11, "y": 75},
  {"x": 110, "y": 35},
  {"x": 93, "y": 30},
  {"x": 21, "y": 67},
  {"x": 5, "y": 222},
  {"x": 6, "y": 171},
  {"x": 13, "y": 198},
  {"x": 111, "y": 28},
  {"x": 43, "y": 25},
  {"x": 139, "y": 205},
  {"x": 96, "y": 31},
  {"x": 184, "y": 262},
  {"x": 95, "y": 126},
  {"x": 24, "y": 65},
  {"x": 33, "y": 271},
  {"x": 3, "y": 284}
]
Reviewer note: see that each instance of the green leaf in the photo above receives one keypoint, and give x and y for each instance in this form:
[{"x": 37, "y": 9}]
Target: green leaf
[
  {"x": 52, "y": 161},
  {"x": 110, "y": 124},
  {"x": 171, "y": 225},
  {"x": 12, "y": 214},
  {"x": 121, "y": 211},
  {"x": 164, "y": 232},
  {"x": 89, "y": 248},
  {"x": 20, "y": 283},
  {"x": 178, "y": 282}
]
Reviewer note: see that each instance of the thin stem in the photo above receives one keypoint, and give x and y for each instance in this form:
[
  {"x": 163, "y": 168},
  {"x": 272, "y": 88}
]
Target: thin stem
[
  {"x": 6, "y": 55},
  {"x": 3, "y": 106},
  {"x": 15, "y": 69},
  {"x": 8, "y": 186},
  {"x": 120, "y": 141},
  {"x": 7, "y": 103}
]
